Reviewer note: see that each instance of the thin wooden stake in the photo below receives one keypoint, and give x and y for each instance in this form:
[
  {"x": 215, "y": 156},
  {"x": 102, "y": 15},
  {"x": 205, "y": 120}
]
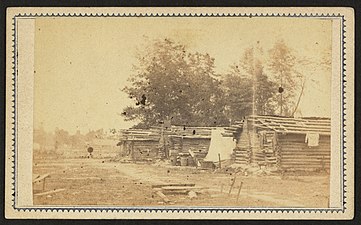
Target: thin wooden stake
[
  {"x": 230, "y": 189},
  {"x": 239, "y": 190},
  {"x": 44, "y": 183},
  {"x": 222, "y": 188},
  {"x": 219, "y": 159}
]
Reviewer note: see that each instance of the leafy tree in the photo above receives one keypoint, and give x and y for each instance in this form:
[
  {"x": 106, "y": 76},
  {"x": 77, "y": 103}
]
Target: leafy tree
[
  {"x": 289, "y": 72},
  {"x": 171, "y": 83},
  {"x": 263, "y": 89},
  {"x": 247, "y": 87},
  {"x": 282, "y": 61},
  {"x": 237, "y": 94}
]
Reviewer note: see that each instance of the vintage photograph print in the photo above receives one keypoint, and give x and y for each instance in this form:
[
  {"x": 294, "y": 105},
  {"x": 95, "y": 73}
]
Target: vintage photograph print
[{"x": 168, "y": 113}]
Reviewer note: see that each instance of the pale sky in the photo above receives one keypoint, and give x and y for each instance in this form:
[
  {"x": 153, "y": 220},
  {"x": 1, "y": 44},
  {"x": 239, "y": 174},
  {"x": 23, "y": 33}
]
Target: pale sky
[{"x": 82, "y": 63}]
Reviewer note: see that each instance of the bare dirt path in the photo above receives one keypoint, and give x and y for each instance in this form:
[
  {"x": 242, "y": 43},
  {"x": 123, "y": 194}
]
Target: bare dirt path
[{"x": 102, "y": 182}]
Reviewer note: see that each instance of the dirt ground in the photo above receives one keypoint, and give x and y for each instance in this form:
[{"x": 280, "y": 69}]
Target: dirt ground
[{"x": 104, "y": 182}]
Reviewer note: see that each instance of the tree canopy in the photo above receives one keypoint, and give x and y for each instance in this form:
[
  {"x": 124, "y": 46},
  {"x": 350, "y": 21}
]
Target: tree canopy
[{"x": 171, "y": 83}]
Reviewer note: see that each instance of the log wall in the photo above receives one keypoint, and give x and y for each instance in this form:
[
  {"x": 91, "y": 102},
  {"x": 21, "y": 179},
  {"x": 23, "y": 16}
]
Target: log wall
[
  {"x": 144, "y": 150},
  {"x": 296, "y": 155},
  {"x": 182, "y": 145}
]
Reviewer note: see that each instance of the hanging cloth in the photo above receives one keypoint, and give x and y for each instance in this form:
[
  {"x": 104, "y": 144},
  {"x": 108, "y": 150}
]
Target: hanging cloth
[{"x": 312, "y": 139}]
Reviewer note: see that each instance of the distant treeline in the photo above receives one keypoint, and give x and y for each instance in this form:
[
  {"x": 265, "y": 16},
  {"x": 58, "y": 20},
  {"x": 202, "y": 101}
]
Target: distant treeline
[{"x": 61, "y": 138}]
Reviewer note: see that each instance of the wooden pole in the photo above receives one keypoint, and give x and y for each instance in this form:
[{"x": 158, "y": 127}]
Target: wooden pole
[
  {"x": 239, "y": 190},
  {"x": 44, "y": 183},
  {"x": 230, "y": 188},
  {"x": 219, "y": 159}
]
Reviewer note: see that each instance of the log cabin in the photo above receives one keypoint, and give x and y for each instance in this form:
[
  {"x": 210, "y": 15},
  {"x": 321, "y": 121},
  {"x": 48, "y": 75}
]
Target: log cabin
[
  {"x": 140, "y": 144},
  {"x": 289, "y": 144},
  {"x": 157, "y": 143},
  {"x": 196, "y": 139}
]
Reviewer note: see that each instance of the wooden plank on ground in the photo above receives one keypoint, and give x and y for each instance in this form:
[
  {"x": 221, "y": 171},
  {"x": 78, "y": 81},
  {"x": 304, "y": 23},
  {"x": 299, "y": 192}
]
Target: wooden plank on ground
[
  {"x": 176, "y": 188},
  {"x": 49, "y": 192},
  {"x": 165, "y": 198},
  {"x": 173, "y": 184}
]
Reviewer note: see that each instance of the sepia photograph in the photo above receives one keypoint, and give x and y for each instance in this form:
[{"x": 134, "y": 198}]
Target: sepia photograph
[
  {"x": 182, "y": 111},
  {"x": 163, "y": 111}
]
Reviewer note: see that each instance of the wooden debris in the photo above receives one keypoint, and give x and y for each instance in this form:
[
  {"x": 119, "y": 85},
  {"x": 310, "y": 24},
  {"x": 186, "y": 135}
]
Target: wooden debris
[
  {"x": 81, "y": 178},
  {"x": 190, "y": 189},
  {"x": 176, "y": 188},
  {"x": 42, "y": 177},
  {"x": 165, "y": 198},
  {"x": 49, "y": 192}
]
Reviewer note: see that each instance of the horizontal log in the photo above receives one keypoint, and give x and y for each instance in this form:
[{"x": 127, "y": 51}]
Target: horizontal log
[
  {"x": 242, "y": 155},
  {"x": 304, "y": 168},
  {"x": 304, "y": 151},
  {"x": 324, "y": 154},
  {"x": 305, "y": 148},
  {"x": 305, "y": 164},
  {"x": 177, "y": 188},
  {"x": 173, "y": 184},
  {"x": 301, "y": 141},
  {"x": 305, "y": 158}
]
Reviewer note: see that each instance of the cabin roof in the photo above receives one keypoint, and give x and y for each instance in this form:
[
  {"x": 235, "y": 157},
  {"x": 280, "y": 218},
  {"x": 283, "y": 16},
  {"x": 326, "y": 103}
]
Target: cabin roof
[
  {"x": 284, "y": 124},
  {"x": 154, "y": 133}
]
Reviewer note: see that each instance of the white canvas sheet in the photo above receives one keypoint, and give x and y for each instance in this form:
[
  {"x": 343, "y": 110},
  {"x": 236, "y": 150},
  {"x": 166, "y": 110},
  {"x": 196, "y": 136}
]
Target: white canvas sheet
[{"x": 220, "y": 145}]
